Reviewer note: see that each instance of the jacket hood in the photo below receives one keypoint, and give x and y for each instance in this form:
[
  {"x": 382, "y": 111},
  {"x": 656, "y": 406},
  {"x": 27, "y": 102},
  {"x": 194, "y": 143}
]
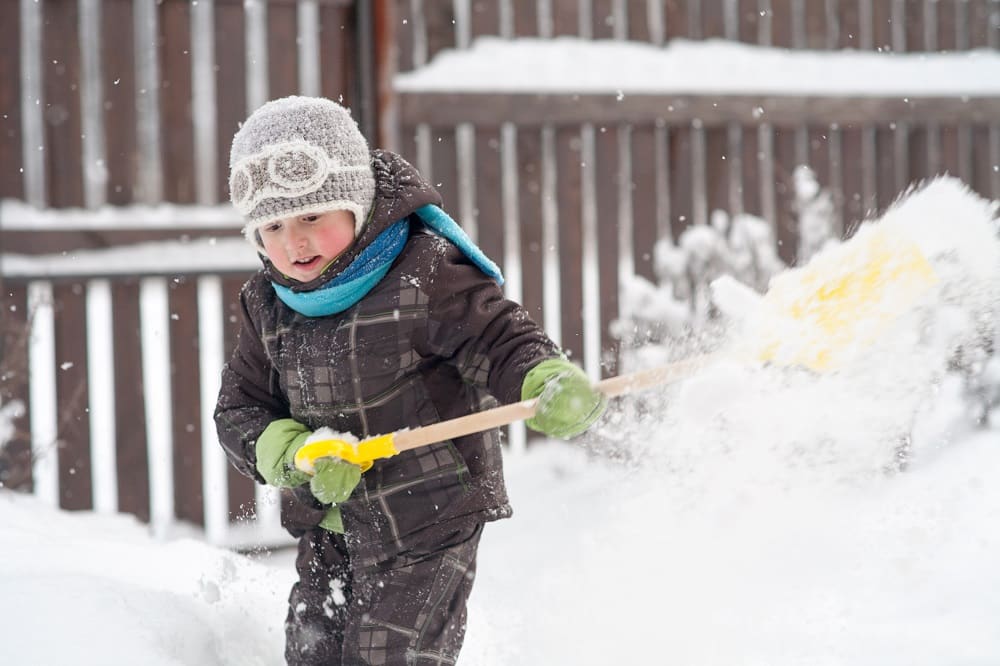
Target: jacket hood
[{"x": 399, "y": 192}]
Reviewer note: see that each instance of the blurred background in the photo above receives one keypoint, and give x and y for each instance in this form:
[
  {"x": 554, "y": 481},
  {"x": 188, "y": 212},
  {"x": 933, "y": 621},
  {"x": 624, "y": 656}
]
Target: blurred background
[{"x": 122, "y": 261}]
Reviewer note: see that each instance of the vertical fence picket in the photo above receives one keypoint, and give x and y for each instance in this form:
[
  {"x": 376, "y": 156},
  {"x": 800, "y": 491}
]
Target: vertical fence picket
[
  {"x": 43, "y": 418},
  {"x": 204, "y": 110},
  {"x": 101, "y": 393},
  {"x": 649, "y": 201},
  {"x": 32, "y": 99},
  {"x": 551, "y": 278},
  {"x": 154, "y": 317},
  {"x": 697, "y": 167},
  {"x": 174, "y": 46},
  {"x": 993, "y": 133},
  {"x": 255, "y": 31},
  {"x": 95, "y": 173},
  {"x": 625, "y": 210},
  {"x": 418, "y": 56},
  {"x": 211, "y": 357},
  {"x": 511, "y": 257},
  {"x": 308, "y": 48},
  {"x": 589, "y": 269},
  {"x": 654, "y": 19},
  {"x": 663, "y": 178},
  {"x": 147, "y": 103}
]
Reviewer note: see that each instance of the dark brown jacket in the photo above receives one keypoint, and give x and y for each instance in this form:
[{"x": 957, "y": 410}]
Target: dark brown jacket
[{"x": 435, "y": 339}]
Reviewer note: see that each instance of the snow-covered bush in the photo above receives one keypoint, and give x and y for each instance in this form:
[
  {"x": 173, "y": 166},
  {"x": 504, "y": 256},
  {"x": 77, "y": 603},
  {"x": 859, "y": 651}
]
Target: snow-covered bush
[
  {"x": 9, "y": 411},
  {"x": 678, "y": 311},
  {"x": 815, "y": 212},
  {"x": 12, "y": 377}
]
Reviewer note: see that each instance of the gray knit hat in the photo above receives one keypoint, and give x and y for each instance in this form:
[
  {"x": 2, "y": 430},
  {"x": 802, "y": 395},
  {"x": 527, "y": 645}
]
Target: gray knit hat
[{"x": 299, "y": 155}]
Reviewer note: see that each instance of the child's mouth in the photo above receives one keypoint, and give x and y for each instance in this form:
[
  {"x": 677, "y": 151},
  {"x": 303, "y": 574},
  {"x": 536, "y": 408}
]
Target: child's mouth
[{"x": 307, "y": 262}]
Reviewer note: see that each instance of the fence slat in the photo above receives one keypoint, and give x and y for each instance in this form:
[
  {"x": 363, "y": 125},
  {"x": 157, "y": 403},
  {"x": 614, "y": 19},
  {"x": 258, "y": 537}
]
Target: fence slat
[
  {"x": 230, "y": 82},
  {"x": 33, "y": 141},
  {"x": 215, "y": 486},
  {"x": 589, "y": 257},
  {"x": 511, "y": 258},
  {"x": 44, "y": 418},
  {"x": 175, "y": 79},
  {"x": 154, "y": 318},
  {"x": 204, "y": 113},
  {"x": 147, "y": 103},
  {"x": 551, "y": 277},
  {"x": 11, "y": 126},
  {"x": 95, "y": 173},
  {"x": 308, "y": 42},
  {"x": 255, "y": 30},
  {"x": 101, "y": 394}
]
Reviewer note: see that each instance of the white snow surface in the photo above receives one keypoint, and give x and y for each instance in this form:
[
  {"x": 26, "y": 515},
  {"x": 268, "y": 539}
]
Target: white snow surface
[
  {"x": 749, "y": 515},
  {"x": 574, "y": 65},
  {"x": 602, "y": 564}
]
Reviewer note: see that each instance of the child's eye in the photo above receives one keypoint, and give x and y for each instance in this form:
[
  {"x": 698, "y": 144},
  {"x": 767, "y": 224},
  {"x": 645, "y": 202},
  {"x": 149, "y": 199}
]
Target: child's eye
[
  {"x": 273, "y": 227},
  {"x": 310, "y": 218}
]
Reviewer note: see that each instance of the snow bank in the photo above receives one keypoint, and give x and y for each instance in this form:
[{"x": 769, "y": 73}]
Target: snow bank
[{"x": 89, "y": 589}]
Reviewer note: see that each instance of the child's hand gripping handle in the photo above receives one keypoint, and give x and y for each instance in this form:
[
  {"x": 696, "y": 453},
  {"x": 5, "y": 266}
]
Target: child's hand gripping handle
[{"x": 364, "y": 453}]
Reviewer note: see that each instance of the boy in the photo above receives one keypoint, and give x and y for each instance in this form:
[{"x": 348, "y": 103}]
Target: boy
[{"x": 374, "y": 312}]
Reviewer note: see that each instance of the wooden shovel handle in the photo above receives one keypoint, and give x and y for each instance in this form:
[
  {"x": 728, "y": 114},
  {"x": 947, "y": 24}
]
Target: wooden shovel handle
[{"x": 405, "y": 440}]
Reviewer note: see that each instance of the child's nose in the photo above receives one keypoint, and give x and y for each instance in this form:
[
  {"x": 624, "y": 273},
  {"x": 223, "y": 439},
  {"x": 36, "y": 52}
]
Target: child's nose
[{"x": 296, "y": 238}]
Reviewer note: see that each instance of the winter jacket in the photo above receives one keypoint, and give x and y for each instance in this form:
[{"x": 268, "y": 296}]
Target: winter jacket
[{"x": 433, "y": 340}]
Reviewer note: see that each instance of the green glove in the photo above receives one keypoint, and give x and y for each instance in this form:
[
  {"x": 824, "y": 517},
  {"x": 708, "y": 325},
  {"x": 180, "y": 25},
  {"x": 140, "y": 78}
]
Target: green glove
[
  {"x": 332, "y": 521},
  {"x": 334, "y": 480},
  {"x": 568, "y": 403},
  {"x": 276, "y": 449}
]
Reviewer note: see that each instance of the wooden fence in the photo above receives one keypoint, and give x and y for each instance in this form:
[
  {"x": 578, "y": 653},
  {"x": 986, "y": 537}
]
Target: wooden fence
[
  {"x": 576, "y": 189},
  {"x": 111, "y": 109},
  {"x": 119, "y": 370}
]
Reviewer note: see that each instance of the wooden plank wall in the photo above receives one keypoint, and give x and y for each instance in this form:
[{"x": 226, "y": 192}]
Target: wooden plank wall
[
  {"x": 614, "y": 189},
  {"x": 127, "y": 102}
]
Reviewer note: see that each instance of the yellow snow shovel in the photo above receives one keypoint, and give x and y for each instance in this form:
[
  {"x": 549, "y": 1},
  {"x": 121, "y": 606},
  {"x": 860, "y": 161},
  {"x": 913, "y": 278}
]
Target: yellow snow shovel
[{"x": 819, "y": 314}]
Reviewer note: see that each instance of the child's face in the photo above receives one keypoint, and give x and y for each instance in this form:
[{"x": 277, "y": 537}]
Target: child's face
[{"x": 301, "y": 247}]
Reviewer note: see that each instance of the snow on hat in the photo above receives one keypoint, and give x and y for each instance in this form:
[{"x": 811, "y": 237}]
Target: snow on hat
[{"x": 299, "y": 156}]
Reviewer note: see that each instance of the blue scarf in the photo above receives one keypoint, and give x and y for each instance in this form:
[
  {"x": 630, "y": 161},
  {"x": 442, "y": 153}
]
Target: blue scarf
[{"x": 374, "y": 262}]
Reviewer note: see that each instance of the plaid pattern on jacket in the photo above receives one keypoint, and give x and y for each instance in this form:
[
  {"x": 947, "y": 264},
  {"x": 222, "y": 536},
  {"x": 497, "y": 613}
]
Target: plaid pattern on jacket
[{"x": 435, "y": 339}]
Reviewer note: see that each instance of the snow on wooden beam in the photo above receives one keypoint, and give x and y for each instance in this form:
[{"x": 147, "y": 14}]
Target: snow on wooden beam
[{"x": 198, "y": 256}]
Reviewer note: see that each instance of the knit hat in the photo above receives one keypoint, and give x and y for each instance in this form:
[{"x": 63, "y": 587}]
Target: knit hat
[{"x": 298, "y": 156}]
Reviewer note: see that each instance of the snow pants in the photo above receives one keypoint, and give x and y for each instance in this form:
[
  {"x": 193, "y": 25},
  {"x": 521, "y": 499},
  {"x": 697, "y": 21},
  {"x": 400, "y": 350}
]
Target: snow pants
[{"x": 409, "y": 610}]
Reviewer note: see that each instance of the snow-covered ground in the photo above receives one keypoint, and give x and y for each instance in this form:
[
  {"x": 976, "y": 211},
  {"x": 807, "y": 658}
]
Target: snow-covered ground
[
  {"x": 749, "y": 515},
  {"x": 602, "y": 564}
]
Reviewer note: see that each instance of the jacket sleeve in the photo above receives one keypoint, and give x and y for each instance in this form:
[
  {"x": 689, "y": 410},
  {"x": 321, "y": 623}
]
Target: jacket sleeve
[
  {"x": 490, "y": 339},
  {"x": 249, "y": 397}
]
